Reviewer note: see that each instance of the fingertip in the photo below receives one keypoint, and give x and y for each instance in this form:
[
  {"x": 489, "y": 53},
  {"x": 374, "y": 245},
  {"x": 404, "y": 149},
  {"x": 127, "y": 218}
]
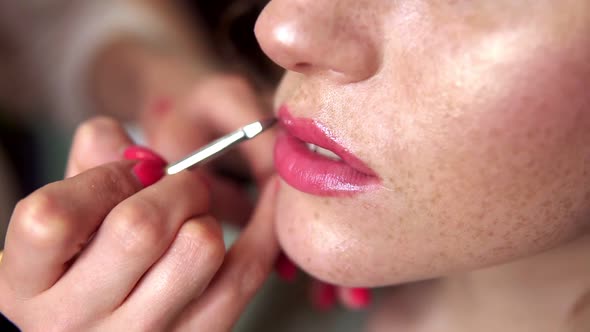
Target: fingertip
[
  {"x": 355, "y": 298},
  {"x": 97, "y": 141},
  {"x": 285, "y": 269},
  {"x": 323, "y": 296}
]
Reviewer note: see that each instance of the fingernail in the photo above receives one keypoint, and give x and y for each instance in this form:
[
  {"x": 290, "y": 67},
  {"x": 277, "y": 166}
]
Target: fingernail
[
  {"x": 136, "y": 152},
  {"x": 285, "y": 269},
  {"x": 148, "y": 172},
  {"x": 357, "y": 298},
  {"x": 323, "y": 296}
]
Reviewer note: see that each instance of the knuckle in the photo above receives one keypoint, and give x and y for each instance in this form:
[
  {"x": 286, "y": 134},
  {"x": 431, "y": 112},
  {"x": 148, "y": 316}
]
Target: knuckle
[
  {"x": 41, "y": 221},
  {"x": 205, "y": 235},
  {"x": 245, "y": 279},
  {"x": 138, "y": 226}
]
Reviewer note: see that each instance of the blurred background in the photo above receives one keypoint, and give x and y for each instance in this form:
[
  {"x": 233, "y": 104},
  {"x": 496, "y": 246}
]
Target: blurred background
[{"x": 63, "y": 61}]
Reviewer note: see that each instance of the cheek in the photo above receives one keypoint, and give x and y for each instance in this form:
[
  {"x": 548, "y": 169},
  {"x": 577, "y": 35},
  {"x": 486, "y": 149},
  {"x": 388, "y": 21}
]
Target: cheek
[
  {"x": 507, "y": 173},
  {"x": 503, "y": 176},
  {"x": 482, "y": 161},
  {"x": 343, "y": 241}
]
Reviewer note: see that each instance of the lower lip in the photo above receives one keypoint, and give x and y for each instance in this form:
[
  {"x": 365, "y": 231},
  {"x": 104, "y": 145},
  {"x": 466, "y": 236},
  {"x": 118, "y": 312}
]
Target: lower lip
[{"x": 314, "y": 174}]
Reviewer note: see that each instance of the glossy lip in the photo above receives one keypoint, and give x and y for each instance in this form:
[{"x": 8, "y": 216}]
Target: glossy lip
[{"x": 312, "y": 173}]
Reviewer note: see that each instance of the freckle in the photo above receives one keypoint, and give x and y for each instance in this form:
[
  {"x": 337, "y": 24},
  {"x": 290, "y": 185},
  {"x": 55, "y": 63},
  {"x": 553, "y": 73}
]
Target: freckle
[
  {"x": 567, "y": 204},
  {"x": 316, "y": 215},
  {"x": 495, "y": 132},
  {"x": 529, "y": 134},
  {"x": 491, "y": 233},
  {"x": 547, "y": 132}
]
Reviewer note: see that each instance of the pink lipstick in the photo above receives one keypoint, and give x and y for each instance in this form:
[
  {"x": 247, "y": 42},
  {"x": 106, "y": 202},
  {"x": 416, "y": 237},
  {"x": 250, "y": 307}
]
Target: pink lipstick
[{"x": 309, "y": 158}]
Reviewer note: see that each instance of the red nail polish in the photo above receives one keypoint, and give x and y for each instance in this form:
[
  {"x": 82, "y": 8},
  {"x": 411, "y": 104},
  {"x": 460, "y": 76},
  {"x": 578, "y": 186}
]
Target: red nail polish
[
  {"x": 136, "y": 152},
  {"x": 323, "y": 296},
  {"x": 285, "y": 269},
  {"x": 148, "y": 172},
  {"x": 357, "y": 298}
]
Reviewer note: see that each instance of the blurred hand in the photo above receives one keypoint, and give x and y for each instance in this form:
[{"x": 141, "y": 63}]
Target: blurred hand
[
  {"x": 178, "y": 122},
  {"x": 98, "y": 251}
]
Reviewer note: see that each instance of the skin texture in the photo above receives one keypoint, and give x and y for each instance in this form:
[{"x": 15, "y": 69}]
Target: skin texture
[{"x": 473, "y": 113}]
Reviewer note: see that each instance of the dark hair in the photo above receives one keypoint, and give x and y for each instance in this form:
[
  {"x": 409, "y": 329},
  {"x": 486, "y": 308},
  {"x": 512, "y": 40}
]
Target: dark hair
[{"x": 230, "y": 23}]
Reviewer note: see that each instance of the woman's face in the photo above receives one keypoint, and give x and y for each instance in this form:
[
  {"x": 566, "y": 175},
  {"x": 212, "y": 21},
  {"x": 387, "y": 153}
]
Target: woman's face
[{"x": 464, "y": 129}]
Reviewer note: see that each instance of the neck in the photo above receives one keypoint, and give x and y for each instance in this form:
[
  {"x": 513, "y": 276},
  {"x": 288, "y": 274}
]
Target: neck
[
  {"x": 546, "y": 292},
  {"x": 549, "y": 288}
]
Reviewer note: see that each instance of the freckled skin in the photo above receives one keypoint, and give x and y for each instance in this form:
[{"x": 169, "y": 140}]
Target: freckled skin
[{"x": 475, "y": 115}]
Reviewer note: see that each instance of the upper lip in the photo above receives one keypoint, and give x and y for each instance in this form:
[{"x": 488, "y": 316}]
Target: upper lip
[{"x": 314, "y": 132}]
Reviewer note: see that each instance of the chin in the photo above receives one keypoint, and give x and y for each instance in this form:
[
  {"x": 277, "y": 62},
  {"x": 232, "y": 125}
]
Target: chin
[{"x": 330, "y": 240}]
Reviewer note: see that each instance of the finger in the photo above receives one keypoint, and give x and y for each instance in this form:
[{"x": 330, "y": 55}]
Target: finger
[
  {"x": 238, "y": 108},
  {"x": 246, "y": 266},
  {"x": 219, "y": 105},
  {"x": 96, "y": 142},
  {"x": 131, "y": 239},
  {"x": 177, "y": 134},
  {"x": 229, "y": 201},
  {"x": 179, "y": 276},
  {"x": 49, "y": 227},
  {"x": 285, "y": 268},
  {"x": 354, "y": 298},
  {"x": 323, "y": 295}
]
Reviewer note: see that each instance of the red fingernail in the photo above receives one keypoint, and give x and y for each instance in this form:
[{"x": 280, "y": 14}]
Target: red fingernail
[
  {"x": 148, "y": 172},
  {"x": 357, "y": 298},
  {"x": 136, "y": 152},
  {"x": 285, "y": 268},
  {"x": 323, "y": 296}
]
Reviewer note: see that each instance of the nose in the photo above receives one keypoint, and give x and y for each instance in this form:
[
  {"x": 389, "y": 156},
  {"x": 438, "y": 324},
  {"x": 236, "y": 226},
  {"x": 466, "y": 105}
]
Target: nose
[{"x": 320, "y": 37}]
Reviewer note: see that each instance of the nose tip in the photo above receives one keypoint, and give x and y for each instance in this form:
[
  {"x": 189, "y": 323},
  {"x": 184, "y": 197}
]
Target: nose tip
[{"x": 317, "y": 44}]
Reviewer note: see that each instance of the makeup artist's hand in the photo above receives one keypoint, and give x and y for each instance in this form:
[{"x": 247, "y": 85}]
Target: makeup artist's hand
[
  {"x": 177, "y": 122},
  {"x": 115, "y": 248}
]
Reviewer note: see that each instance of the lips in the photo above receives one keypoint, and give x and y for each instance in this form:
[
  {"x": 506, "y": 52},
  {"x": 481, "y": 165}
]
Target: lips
[{"x": 314, "y": 170}]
